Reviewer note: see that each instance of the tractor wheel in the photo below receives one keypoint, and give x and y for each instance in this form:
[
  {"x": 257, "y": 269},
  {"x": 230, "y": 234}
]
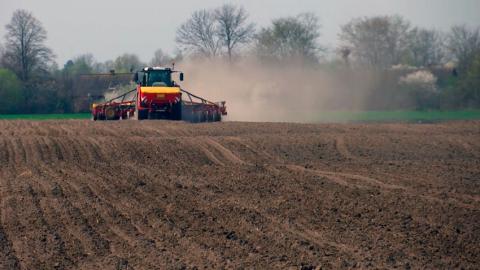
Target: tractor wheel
[
  {"x": 177, "y": 111},
  {"x": 140, "y": 114}
]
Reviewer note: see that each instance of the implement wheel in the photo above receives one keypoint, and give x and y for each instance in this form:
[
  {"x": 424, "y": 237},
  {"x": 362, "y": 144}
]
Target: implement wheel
[
  {"x": 197, "y": 117},
  {"x": 140, "y": 114},
  {"x": 217, "y": 117},
  {"x": 111, "y": 113},
  {"x": 210, "y": 116}
]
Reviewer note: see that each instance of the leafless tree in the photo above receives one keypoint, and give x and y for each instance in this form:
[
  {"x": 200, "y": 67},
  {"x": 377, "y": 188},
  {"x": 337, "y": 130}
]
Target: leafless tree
[
  {"x": 199, "y": 34},
  {"x": 426, "y": 47},
  {"x": 160, "y": 58},
  {"x": 464, "y": 44},
  {"x": 233, "y": 28},
  {"x": 344, "y": 52},
  {"x": 25, "y": 50},
  {"x": 290, "y": 38},
  {"x": 376, "y": 41}
]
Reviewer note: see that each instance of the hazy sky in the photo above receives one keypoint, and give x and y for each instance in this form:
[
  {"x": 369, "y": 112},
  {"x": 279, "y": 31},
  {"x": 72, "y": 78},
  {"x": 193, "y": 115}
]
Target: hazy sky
[{"x": 108, "y": 28}]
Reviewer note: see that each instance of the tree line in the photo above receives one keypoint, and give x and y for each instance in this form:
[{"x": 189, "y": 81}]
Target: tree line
[{"x": 440, "y": 69}]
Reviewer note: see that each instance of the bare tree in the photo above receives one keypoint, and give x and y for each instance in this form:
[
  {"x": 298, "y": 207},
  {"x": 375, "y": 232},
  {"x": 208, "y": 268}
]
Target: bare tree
[
  {"x": 25, "y": 50},
  {"x": 160, "y": 58},
  {"x": 290, "y": 38},
  {"x": 345, "y": 52},
  {"x": 199, "y": 34},
  {"x": 464, "y": 44},
  {"x": 377, "y": 41},
  {"x": 426, "y": 47},
  {"x": 233, "y": 28}
]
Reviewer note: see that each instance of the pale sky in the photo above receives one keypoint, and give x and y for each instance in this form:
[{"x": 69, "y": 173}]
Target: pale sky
[{"x": 108, "y": 28}]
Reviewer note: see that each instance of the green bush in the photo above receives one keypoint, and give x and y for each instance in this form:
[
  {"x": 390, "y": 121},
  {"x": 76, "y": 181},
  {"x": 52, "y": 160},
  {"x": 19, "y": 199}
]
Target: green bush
[
  {"x": 11, "y": 92},
  {"x": 469, "y": 87}
]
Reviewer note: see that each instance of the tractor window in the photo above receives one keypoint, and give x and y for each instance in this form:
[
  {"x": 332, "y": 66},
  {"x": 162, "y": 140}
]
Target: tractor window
[
  {"x": 159, "y": 78},
  {"x": 139, "y": 78}
]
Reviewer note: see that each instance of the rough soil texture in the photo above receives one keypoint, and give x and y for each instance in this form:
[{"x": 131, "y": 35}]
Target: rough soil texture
[{"x": 163, "y": 195}]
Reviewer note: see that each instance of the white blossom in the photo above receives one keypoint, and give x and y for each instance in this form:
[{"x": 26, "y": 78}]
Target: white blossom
[{"x": 423, "y": 79}]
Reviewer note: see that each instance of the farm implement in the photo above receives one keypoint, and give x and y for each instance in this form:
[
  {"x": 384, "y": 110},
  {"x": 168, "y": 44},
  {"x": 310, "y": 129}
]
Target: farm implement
[{"x": 157, "y": 96}]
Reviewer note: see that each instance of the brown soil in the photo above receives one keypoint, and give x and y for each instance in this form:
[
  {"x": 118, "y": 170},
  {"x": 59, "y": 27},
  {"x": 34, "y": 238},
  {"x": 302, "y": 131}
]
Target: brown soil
[{"x": 156, "y": 195}]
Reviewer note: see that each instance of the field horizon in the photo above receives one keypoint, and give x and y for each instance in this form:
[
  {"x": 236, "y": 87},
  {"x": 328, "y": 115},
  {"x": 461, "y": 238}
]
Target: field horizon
[{"x": 322, "y": 117}]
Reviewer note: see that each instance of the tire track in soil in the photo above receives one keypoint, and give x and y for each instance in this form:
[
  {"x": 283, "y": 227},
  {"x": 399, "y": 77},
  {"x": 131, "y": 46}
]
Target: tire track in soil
[
  {"x": 274, "y": 229},
  {"x": 463, "y": 200},
  {"x": 175, "y": 131},
  {"x": 258, "y": 153},
  {"x": 190, "y": 241},
  {"x": 161, "y": 131},
  {"x": 172, "y": 233},
  {"x": 32, "y": 150},
  {"x": 12, "y": 154},
  {"x": 296, "y": 231},
  {"x": 58, "y": 152},
  {"x": 26, "y": 215},
  {"x": 301, "y": 235},
  {"x": 227, "y": 153},
  {"x": 211, "y": 146},
  {"x": 92, "y": 193},
  {"x": 65, "y": 132},
  {"x": 120, "y": 229},
  {"x": 85, "y": 151},
  {"x": 10, "y": 219},
  {"x": 342, "y": 148},
  {"x": 142, "y": 198},
  {"x": 5, "y": 153},
  {"x": 57, "y": 256},
  {"x": 112, "y": 239},
  {"x": 41, "y": 148},
  {"x": 343, "y": 180},
  {"x": 65, "y": 210},
  {"x": 52, "y": 150},
  {"x": 75, "y": 152},
  {"x": 96, "y": 152},
  {"x": 39, "y": 129},
  {"x": 197, "y": 144},
  {"x": 85, "y": 199},
  {"x": 8, "y": 257},
  {"x": 20, "y": 151}
]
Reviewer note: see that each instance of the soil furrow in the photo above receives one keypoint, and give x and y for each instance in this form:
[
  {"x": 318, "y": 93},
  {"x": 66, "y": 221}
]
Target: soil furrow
[{"x": 165, "y": 195}]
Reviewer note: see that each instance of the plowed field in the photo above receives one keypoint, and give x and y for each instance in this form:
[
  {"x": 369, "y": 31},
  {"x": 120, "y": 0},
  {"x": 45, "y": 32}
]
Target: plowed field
[{"x": 162, "y": 195}]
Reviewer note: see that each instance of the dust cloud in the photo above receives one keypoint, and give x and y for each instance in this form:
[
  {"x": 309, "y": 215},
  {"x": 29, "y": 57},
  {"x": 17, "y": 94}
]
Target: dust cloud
[
  {"x": 118, "y": 90},
  {"x": 255, "y": 91}
]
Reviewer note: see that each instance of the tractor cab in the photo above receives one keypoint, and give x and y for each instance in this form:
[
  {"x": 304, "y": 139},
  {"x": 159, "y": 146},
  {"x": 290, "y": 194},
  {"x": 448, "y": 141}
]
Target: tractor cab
[
  {"x": 158, "y": 96},
  {"x": 155, "y": 76}
]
